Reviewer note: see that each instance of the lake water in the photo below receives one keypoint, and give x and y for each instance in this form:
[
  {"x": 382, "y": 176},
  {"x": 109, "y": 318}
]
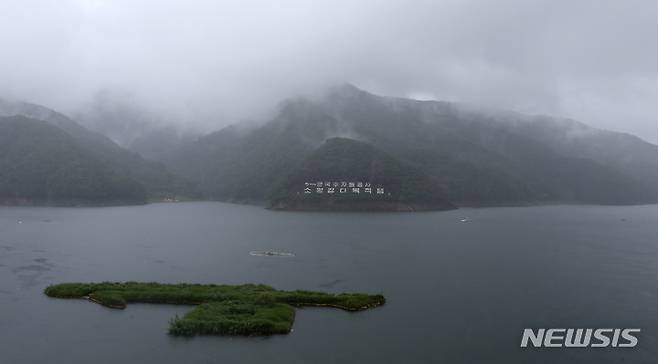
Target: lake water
[{"x": 458, "y": 292}]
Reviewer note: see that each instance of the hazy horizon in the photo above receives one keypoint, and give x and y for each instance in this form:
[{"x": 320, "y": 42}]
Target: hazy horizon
[{"x": 211, "y": 64}]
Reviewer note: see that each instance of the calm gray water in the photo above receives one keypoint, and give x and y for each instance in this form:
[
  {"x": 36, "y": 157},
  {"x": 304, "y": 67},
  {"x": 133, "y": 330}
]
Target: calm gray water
[{"x": 458, "y": 292}]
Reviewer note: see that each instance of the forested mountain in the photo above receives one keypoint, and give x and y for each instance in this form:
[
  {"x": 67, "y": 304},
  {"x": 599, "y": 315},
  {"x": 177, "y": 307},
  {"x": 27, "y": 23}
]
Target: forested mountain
[
  {"x": 41, "y": 164},
  {"x": 154, "y": 178},
  {"x": 471, "y": 156},
  {"x": 423, "y": 154},
  {"x": 345, "y": 174}
]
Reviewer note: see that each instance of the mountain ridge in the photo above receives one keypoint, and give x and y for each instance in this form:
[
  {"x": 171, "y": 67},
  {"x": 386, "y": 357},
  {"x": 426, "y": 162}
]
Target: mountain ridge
[
  {"x": 456, "y": 154},
  {"x": 481, "y": 159},
  {"x": 158, "y": 182},
  {"x": 41, "y": 164}
]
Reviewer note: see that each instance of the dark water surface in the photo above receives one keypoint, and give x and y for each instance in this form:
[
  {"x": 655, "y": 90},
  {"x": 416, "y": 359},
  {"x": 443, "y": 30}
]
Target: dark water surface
[{"x": 458, "y": 292}]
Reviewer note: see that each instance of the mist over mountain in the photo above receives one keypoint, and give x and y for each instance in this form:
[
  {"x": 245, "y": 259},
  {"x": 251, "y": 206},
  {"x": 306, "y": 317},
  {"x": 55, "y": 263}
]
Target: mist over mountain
[
  {"x": 215, "y": 62},
  {"x": 120, "y": 117},
  {"x": 42, "y": 164},
  {"x": 423, "y": 154},
  {"x": 152, "y": 177},
  {"x": 474, "y": 156}
]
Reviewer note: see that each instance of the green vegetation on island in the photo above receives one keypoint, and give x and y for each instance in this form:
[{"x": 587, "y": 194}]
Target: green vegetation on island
[{"x": 247, "y": 309}]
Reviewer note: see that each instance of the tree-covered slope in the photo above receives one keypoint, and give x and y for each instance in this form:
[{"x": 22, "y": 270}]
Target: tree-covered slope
[
  {"x": 345, "y": 174},
  {"x": 41, "y": 164},
  {"x": 487, "y": 156},
  {"x": 154, "y": 177},
  {"x": 473, "y": 156},
  {"x": 243, "y": 165}
]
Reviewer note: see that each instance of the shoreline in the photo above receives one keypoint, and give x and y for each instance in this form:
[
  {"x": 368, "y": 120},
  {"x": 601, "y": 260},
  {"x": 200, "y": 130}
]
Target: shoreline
[{"x": 458, "y": 205}]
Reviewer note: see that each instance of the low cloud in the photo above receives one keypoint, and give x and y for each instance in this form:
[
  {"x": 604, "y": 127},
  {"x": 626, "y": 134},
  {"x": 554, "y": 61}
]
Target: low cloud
[{"x": 206, "y": 64}]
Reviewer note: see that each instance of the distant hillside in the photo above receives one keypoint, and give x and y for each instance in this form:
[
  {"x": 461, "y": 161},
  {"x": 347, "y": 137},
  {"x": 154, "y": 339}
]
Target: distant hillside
[
  {"x": 344, "y": 174},
  {"x": 154, "y": 177},
  {"x": 423, "y": 154},
  {"x": 472, "y": 157},
  {"x": 241, "y": 166},
  {"x": 41, "y": 164}
]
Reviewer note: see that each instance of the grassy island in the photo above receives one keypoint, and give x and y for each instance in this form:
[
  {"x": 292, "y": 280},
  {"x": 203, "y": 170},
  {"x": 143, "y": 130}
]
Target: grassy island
[{"x": 247, "y": 309}]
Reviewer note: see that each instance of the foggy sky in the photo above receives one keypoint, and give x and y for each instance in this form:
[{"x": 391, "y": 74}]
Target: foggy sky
[{"x": 210, "y": 63}]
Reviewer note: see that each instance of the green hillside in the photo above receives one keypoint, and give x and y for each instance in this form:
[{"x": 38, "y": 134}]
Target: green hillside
[
  {"x": 156, "y": 180},
  {"x": 345, "y": 174},
  {"x": 471, "y": 157},
  {"x": 41, "y": 164}
]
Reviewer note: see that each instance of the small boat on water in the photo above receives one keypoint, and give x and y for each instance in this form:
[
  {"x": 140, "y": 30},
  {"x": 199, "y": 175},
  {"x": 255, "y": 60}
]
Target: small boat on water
[{"x": 270, "y": 253}]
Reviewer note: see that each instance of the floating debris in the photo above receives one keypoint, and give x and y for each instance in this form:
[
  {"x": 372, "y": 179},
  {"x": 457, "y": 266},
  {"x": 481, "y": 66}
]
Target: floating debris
[
  {"x": 270, "y": 253},
  {"x": 464, "y": 219}
]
